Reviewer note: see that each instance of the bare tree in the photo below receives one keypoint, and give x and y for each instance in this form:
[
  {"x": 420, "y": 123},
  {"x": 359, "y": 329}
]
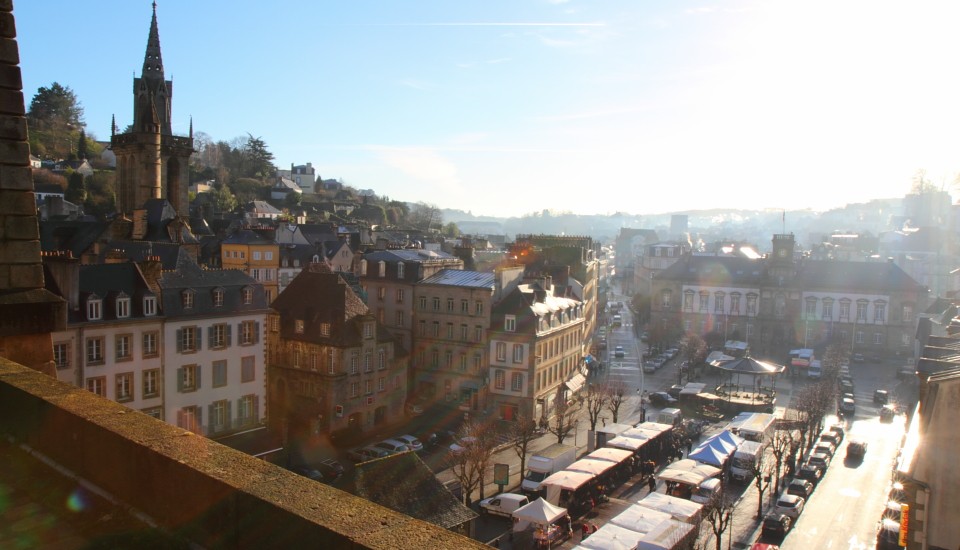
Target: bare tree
[
  {"x": 595, "y": 398},
  {"x": 565, "y": 416},
  {"x": 761, "y": 477},
  {"x": 779, "y": 447},
  {"x": 719, "y": 514},
  {"x": 471, "y": 460},
  {"x": 523, "y": 431},
  {"x": 616, "y": 395}
]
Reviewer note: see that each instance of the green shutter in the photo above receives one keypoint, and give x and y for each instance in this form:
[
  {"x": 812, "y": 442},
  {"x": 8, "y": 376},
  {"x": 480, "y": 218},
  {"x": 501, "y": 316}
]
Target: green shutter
[
  {"x": 199, "y": 333},
  {"x": 179, "y": 383},
  {"x": 179, "y": 340},
  {"x": 199, "y": 370},
  {"x": 229, "y": 335},
  {"x": 256, "y": 332}
]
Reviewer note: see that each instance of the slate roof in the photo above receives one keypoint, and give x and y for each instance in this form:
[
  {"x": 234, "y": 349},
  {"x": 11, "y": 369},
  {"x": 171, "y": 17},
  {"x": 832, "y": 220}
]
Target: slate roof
[
  {"x": 189, "y": 275},
  {"x": 138, "y": 251},
  {"x": 108, "y": 282},
  {"x": 164, "y": 225},
  {"x": 459, "y": 277},
  {"x": 730, "y": 270},
  {"x": 407, "y": 255},
  {"x": 858, "y": 276},
  {"x": 73, "y": 236},
  {"x": 403, "y": 483},
  {"x": 247, "y": 236},
  {"x": 260, "y": 207}
]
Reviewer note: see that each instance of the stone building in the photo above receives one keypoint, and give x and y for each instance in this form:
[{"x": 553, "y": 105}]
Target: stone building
[
  {"x": 334, "y": 368},
  {"x": 152, "y": 163}
]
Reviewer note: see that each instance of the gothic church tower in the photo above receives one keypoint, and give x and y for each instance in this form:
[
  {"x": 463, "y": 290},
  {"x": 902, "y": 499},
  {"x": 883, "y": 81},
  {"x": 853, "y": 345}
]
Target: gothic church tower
[{"x": 152, "y": 163}]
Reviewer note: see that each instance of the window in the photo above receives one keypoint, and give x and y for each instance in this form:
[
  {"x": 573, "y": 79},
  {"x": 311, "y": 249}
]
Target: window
[
  {"x": 399, "y": 319},
  {"x": 878, "y": 338},
  {"x": 124, "y": 386},
  {"x": 256, "y": 254},
  {"x": 688, "y": 300},
  {"x": 122, "y": 347},
  {"x": 465, "y": 307},
  {"x": 381, "y": 293},
  {"x": 247, "y": 296},
  {"x": 449, "y": 305},
  {"x": 751, "y": 304},
  {"x": 464, "y": 333},
  {"x": 423, "y": 328},
  {"x": 94, "y": 309},
  {"x": 382, "y": 268},
  {"x": 516, "y": 381},
  {"x": 478, "y": 309},
  {"x": 325, "y": 329},
  {"x": 249, "y": 332},
  {"x": 436, "y": 329},
  {"x": 478, "y": 333},
  {"x": 219, "y": 335},
  {"x": 61, "y": 354},
  {"x": 499, "y": 379},
  {"x": 149, "y": 306},
  {"x": 879, "y": 312},
  {"x": 188, "y": 378},
  {"x": 97, "y": 385},
  {"x": 187, "y": 299},
  {"x": 188, "y": 418},
  {"x": 811, "y": 308},
  {"x": 382, "y": 383},
  {"x": 858, "y": 337},
  {"x": 463, "y": 363},
  {"x": 123, "y": 308},
  {"x": 399, "y": 295},
  {"x": 906, "y": 312},
  {"x": 188, "y": 339},
  {"x": 255, "y": 273},
  {"x": 423, "y": 302},
  {"x": 217, "y": 297},
  {"x": 861, "y": 311},
  {"x": 248, "y": 410},
  {"x": 718, "y": 300},
  {"x": 448, "y": 359},
  {"x": 381, "y": 359},
  {"x": 449, "y": 331},
  {"x": 219, "y": 374},
  {"x": 355, "y": 389},
  {"x": 477, "y": 361},
  {"x": 779, "y": 305},
  {"x": 331, "y": 362},
  {"x": 844, "y": 311},
  {"x": 436, "y": 304},
  {"x": 367, "y": 387},
  {"x": 704, "y": 300},
  {"x": 367, "y": 363},
  {"x": 501, "y": 351},
  {"x": 828, "y": 308},
  {"x": 518, "y": 353},
  {"x": 368, "y": 330},
  {"x": 151, "y": 383},
  {"x": 399, "y": 268},
  {"x": 666, "y": 297},
  {"x": 268, "y": 255},
  {"x": 363, "y": 268},
  {"x": 219, "y": 415},
  {"x": 735, "y": 303},
  {"x": 354, "y": 363},
  {"x": 150, "y": 344},
  {"x": 248, "y": 368},
  {"x": 95, "y": 351},
  {"x": 510, "y": 323}
]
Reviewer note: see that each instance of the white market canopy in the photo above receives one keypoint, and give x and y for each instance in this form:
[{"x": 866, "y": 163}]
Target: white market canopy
[
  {"x": 665, "y": 536},
  {"x": 538, "y": 512},
  {"x": 688, "y": 472},
  {"x": 639, "y": 433},
  {"x": 628, "y": 443},
  {"x": 567, "y": 479},
  {"x": 681, "y": 509},
  {"x": 591, "y": 466},
  {"x": 655, "y": 427},
  {"x": 612, "y": 537},
  {"x": 640, "y": 518},
  {"x": 611, "y": 455}
]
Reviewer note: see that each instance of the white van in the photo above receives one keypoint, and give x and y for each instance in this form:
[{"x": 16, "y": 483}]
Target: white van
[
  {"x": 707, "y": 490},
  {"x": 504, "y": 504}
]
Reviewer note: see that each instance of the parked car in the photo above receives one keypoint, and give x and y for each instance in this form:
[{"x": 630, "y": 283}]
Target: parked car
[
  {"x": 831, "y": 437},
  {"x": 810, "y": 472},
  {"x": 856, "y": 449},
  {"x": 846, "y": 386},
  {"x": 790, "y": 505},
  {"x": 819, "y": 459},
  {"x": 504, "y": 504},
  {"x": 392, "y": 446},
  {"x": 887, "y": 413},
  {"x": 618, "y": 351},
  {"x": 888, "y": 534},
  {"x": 837, "y": 428},
  {"x": 800, "y": 487},
  {"x": 858, "y": 358},
  {"x": 411, "y": 442},
  {"x": 776, "y": 525},
  {"x": 826, "y": 448},
  {"x": 847, "y": 406},
  {"x": 461, "y": 444},
  {"x": 675, "y": 390},
  {"x": 363, "y": 454},
  {"x": 662, "y": 399},
  {"x": 308, "y": 472},
  {"x": 414, "y": 408},
  {"x": 880, "y": 397}
]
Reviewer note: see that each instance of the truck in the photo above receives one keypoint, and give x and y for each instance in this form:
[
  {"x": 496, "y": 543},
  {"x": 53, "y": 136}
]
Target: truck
[
  {"x": 759, "y": 427},
  {"x": 546, "y": 462},
  {"x": 815, "y": 370},
  {"x": 744, "y": 460},
  {"x": 671, "y": 416}
]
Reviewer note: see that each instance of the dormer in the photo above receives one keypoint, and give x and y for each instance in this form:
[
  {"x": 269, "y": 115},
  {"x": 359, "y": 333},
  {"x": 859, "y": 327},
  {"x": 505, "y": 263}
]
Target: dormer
[
  {"x": 217, "y": 296},
  {"x": 149, "y": 305},
  {"x": 246, "y": 295},
  {"x": 122, "y": 305},
  {"x": 399, "y": 270},
  {"x": 187, "y": 298},
  {"x": 382, "y": 268},
  {"x": 94, "y": 308}
]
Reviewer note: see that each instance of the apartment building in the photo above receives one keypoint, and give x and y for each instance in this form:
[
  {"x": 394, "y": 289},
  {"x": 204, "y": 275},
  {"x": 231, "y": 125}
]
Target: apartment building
[{"x": 256, "y": 255}]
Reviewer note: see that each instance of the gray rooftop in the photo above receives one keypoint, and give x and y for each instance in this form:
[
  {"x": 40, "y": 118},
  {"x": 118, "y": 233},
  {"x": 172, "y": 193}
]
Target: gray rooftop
[{"x": 459, "y": 277}]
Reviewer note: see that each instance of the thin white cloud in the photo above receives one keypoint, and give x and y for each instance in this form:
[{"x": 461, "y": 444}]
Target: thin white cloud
[
  {"x": 700, "y": 10},
  {"x": 416, "y": 84},
  {"x": 497, "y": 61}
]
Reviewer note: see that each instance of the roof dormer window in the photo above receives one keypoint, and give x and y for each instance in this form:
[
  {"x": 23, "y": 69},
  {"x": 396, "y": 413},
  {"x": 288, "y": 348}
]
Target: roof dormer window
[
  {"x": 247, "y": 295},
  {"x": 399, "y": 270},
  {"x": 382, "y": 268},
  {"x": 94, "y": 308},
  {"x": 123, "y": 307},
  {"x": 149, "y": 306},
  {"x": 187, "y": 298},
  {"x": 218, "y": 297},
  {"x": 298, "y": 326}
]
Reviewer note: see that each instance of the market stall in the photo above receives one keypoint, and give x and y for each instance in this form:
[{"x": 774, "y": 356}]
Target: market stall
[
  {"x": 568, "y": 488},
  {"x": 611, "y": 537},
  {"x": 684, "y": 476},
  {"x": 681, "y": 509},
  {"x": 640, "y": 518},
  {"x": 538, "y": 513}
]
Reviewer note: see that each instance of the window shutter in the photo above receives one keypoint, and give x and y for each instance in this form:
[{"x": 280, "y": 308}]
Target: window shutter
[
  {"x": 179, "y": 384},
  {"x": 210, "y": 416},
  {"x": 228, "y": 421},
  {"x": 200, "y": 429},
  {"x": 199, "y": 333},
  {"x": 179, "y": 340},
  {"x": 256, "y": 332},
  {"x": 210, "y": 335},
  {"x": 199, "y": 370},
  {"x": 180, "y": 418},
  {"x": 229, "y": 335},
  {"x": 256, "y": 408}
]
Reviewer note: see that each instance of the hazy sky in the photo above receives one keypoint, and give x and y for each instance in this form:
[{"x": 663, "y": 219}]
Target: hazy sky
[{"x": 503, "y": 107}]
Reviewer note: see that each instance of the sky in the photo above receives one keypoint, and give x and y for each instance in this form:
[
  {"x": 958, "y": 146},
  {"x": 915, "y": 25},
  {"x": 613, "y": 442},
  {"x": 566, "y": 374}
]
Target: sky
[{"x": 507, "y": 107}]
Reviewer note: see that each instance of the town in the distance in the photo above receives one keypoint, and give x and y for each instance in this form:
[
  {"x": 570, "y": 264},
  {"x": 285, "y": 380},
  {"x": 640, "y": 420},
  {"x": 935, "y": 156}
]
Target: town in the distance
[{"x": 683, "y": 381}]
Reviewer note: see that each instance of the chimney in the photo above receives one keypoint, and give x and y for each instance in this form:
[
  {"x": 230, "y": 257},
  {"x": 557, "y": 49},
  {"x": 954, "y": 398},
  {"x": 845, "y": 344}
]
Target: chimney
[
  {"x": 139, "y": 224},
  {"x": 65, "y": 270}
]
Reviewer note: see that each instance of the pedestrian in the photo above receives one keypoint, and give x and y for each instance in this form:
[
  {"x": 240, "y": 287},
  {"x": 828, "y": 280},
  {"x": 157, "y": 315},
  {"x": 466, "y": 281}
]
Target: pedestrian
[
  {"x": 652, "y": 484},
  {"x": 689, "y": 445}
]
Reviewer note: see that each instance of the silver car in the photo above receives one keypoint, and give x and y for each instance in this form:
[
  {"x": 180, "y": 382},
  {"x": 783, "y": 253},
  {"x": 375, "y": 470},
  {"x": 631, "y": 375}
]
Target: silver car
[
  {"x": 411, "y": 442},
  {"x": 392, "y": 446}
]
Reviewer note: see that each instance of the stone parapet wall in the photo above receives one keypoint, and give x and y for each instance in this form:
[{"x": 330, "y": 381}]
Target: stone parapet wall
[{"x": 191, "y": 486}]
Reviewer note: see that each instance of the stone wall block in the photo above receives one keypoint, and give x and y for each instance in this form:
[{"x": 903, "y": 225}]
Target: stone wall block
[
  {"x": 26, "y": 276},
  {"x": 19, "y": 203},
  {"x": 23, "y": 228},
  {"x": 10, "y": 77},
  {"x": 16, "y": 177},
  {"x": 8, "y": 29},
  {"x": 14, "y": 152},
  {"x": 6, "y": 5},
  {"x": 9, "y": 53},
  {"x": 15, "y": 126},
  {"x": 19, "y": 252},
  {"x": 4, "y": 276}
]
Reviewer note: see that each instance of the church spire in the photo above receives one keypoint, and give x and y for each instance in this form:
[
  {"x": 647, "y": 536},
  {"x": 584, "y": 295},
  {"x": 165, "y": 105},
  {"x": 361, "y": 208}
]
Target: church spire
[{"x": 152, "y": 60}]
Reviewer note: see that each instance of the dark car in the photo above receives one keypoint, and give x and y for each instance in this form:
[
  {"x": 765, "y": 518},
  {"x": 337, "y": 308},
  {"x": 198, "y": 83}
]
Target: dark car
[
  {"x": 776, "y": 525},
  {"x": 856, "y": 449},
  {"x": 858, "y": 358},
  {"x": 810, "y": 472},
  {"x": 330, "y": 468},
  {"x": 800, "y": 487},
  {"x": 819, "y": 459},
  {"x": 662, "y": 399},
  {"x": 847, "y": 407},
  {"x": 880, "y": 397},
  {"x": 887, "y": 413},
  {"x": 674, "y": 391}
]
